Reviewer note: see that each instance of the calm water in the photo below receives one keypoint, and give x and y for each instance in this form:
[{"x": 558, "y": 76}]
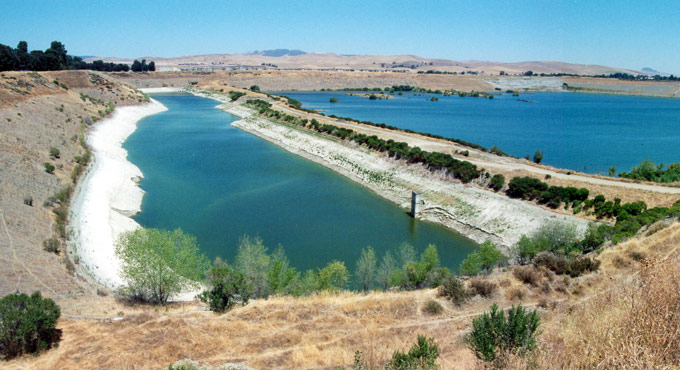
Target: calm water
[
  {"x": 219, "y": 183},
  {"x": 585, "y": 132}
]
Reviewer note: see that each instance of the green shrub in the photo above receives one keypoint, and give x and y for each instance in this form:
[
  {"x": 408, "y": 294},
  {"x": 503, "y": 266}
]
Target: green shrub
[
  {"x": 49, "y": 168},
  {"x": 27, "y": 324},
  {"x": 494, "y": 336},
  {"x": 423, "y": 355},
  {"x": 334, "y": 100},
  {"x": 453, "y": 289},
  {"x": 497, "y": 182},
  {"x": 234, "y": 95},
  {"x": 227, "y": 286},
  {"x": 255, "y": 88},
  {"x": 54, "y": 152}
]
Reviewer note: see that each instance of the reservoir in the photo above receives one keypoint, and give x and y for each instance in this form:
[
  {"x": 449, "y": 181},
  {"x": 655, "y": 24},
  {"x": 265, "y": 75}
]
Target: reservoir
[
  {"x": 219, "y": 183},
  {"x": 583, "y": 132}
]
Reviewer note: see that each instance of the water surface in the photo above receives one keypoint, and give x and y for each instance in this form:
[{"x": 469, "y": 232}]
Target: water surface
[
  {"x": 583, "y": 132},
  {"x": 219, "y": 183}
]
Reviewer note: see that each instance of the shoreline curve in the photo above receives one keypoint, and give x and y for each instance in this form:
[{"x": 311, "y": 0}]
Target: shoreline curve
[{"x": 108, "y": 195}]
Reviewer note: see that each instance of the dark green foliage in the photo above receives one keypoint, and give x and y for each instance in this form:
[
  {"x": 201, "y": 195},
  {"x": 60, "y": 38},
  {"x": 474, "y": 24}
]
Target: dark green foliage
[
  {"x": 52, "y": 59},
  {"x": 649, "y": 171},
  {"x": 255, "y": 88},
  {"x": 495, "y": 336},
  {"x": 234, "y": 95},
  {"x": 27, "y": 324},
  {"x": 228, "y": 287},
  {"x": 49, "y": 168},
  {"x": 497, "y": 182},
  {"x": 138, "y": 66},
  {"x": 334, "y": 100},
  {"x": 527, "y": 188},
  {"x": 454, "y": 289},
  {"x": 538, "y": 156},
  {"x": 423, "y": 355},
  {"x": 54, "y": 152}
]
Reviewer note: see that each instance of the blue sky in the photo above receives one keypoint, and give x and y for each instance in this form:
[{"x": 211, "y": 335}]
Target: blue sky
[{"x": 629, "y": 34}]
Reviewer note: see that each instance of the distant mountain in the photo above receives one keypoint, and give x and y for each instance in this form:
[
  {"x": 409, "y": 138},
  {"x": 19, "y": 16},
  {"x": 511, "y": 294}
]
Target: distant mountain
[
  {"x": 652, "y": 72},
  {"x": 278, "y": 53}
]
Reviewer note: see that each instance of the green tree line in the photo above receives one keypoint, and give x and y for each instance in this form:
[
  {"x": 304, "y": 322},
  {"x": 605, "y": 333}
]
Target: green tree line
[{"x": 56, "y": 58}]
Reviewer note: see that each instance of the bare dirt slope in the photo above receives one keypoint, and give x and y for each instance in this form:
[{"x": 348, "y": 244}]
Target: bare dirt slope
[{"x": 40, "y": 111}]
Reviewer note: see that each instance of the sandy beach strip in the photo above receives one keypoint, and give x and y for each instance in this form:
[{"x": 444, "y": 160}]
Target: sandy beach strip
[{"x": 108, "y": 196}]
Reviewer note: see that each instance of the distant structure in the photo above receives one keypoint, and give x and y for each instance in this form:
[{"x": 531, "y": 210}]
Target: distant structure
[{"x": 416, "y": 203}]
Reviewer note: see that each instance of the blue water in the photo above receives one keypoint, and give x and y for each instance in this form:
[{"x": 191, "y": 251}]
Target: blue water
[
  {"x": 583, "y": 132},
  {"x": 220, "y": 183}
]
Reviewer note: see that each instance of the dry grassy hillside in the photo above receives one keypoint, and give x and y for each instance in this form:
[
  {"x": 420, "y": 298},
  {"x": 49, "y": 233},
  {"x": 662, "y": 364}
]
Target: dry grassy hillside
[
  {"x": 40, "y": 111},
  {"x": 601, "y": 320}
]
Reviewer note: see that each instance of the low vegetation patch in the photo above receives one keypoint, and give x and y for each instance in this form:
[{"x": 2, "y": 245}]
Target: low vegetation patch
[{"x": 27, "y": 324}]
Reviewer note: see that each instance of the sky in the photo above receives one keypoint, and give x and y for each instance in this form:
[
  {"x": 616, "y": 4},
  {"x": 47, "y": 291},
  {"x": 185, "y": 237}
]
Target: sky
[{"x": 618, "y": 33}]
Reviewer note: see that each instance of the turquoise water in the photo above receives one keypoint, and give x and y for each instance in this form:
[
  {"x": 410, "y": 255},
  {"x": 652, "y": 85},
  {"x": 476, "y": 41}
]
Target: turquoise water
[
  {"x": 219, "y": 183},
  {"x": 584, "y": 132}
]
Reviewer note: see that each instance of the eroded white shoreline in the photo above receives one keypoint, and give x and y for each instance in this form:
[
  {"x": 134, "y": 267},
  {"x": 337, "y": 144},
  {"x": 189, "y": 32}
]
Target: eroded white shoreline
[{"x": 108, "y": 196}]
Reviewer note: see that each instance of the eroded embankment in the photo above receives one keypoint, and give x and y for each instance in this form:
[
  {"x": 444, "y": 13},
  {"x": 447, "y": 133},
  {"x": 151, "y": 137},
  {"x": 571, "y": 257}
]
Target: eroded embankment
[{"x": 478, "y": 214}]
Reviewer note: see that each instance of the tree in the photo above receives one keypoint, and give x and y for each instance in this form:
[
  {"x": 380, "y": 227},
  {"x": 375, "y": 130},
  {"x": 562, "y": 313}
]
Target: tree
[
  {"x": 471, "y": 265},
  {"x": 555, "y": 235},
  {"x": 280, "y": 275},
  {"x": 255, "y": 88},
  {"x": 538, "y": 156},
  {"x": 366, "y": 268},
  {"x": 489, "y": 255},
  {"x": 158, "y": 263},
  {"x": 386, "y": 270},
  {"x": 525, "y": 249},
  {"x": 494, "y": 336},
  {"x": 227, "y": 287},
  {"x": 253, "y": 262},
  {"x": 136, "y": 66},
  {"x": 332, "y": 277},
  {"x": 152, "y": 66},
  {"x": 27, "y": 324}
]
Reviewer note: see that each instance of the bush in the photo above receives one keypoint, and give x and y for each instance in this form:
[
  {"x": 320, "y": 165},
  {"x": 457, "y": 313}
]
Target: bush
[
  {"x": 49, "y": 168},
  {"x": 227, "y": 287},
  {"x": 156, "y": 264},
  {"x": 538, "y": 156},
  {"x": 527, "y": 275},
  {"x": 578, "y": 265},
  {"x": 497, "y": 182},
  {"x": 494, "y": 336},
  {"x": 51, "y": 245},
  {"x": 27, "y": 324},
  {"x": 433, "y": 307},
  {"x": 255, "y": 88},
  {"x": 28, "y": 200},
  {"x": 54, "y": 153},
  {"x": 234, "y": 95},
  {"x": 453, "y": 289},
  {"x": 334, "y": 100},
  {"x": 555, "y": 263},
  {"x": 423, "y": 355},
  {"x": 482, "y": 287}
]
